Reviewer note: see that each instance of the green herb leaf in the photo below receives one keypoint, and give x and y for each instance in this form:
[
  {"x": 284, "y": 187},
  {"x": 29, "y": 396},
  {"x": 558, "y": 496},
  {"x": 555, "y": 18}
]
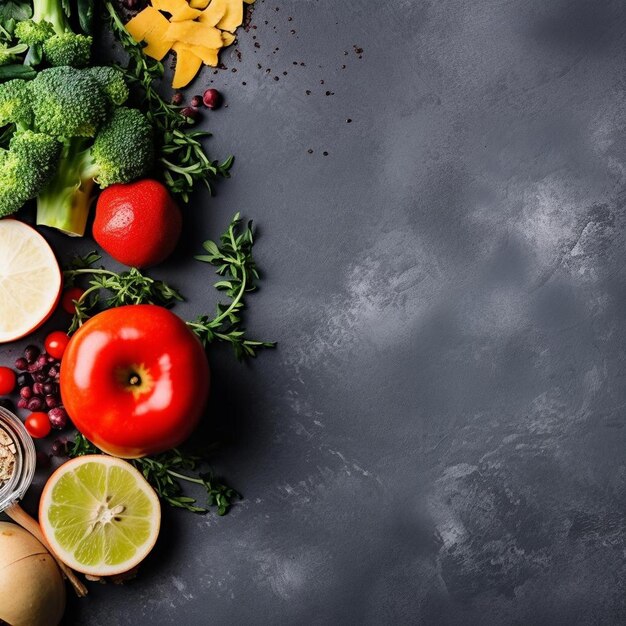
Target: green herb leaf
[
  {"x": 108, "y": 289},
  {"x": 233, "y": 259},
  {"x": 15, "y": 10}
]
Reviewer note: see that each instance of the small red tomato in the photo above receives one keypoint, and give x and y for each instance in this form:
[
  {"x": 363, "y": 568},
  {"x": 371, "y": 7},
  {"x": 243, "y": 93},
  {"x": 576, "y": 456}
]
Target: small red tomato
[
  {"x": 7, "y": 381},
  {"x": 56, "y": 343},
  {"x": 38, "y": 425},
  {"x": 138, "y": 223},
  {"x": 69, "y": 296}
]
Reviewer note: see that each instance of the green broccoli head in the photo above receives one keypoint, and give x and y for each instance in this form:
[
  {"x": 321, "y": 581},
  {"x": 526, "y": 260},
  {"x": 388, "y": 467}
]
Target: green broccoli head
[
  {"x": 15, "y": 98},
  {"x": 67, "y": 102},
  {"x": 112, "y": 83},
  {"x": 25, "y": 168},
  {"x": 123, "y": 149},
  {"x": 33, "y": 33},
  {"x": 68, "y": 49}
]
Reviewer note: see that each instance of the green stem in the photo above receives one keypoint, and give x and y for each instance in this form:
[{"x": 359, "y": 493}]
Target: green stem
[{"x": 198, "y": 481}]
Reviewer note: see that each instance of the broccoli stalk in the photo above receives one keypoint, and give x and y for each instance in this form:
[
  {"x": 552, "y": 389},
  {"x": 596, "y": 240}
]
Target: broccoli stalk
[
  {"x": 122, "y": 151},
  {"x": 51, "y": 11},
  {"x": 64, "y": 203}
]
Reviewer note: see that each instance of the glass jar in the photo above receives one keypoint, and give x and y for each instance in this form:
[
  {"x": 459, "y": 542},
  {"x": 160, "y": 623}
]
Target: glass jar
[{"x": 25, "y": 459}]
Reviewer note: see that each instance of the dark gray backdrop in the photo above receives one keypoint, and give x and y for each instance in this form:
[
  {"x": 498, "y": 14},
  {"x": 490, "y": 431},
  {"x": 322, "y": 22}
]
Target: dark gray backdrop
[{"x": 439, "y": 438}]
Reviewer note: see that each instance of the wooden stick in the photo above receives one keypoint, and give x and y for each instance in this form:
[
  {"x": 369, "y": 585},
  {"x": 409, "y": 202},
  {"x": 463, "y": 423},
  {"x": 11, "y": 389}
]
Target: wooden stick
[{"x": 20, "y": 516}]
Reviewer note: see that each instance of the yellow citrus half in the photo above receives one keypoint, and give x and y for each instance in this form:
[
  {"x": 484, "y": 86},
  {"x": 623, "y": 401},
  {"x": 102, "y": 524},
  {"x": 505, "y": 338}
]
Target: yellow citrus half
[
  {"x": 30, "y": 280},
  {"x": 99, "y": 515}
]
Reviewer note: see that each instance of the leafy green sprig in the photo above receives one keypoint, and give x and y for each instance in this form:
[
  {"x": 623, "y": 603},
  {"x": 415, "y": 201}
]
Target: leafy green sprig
[
  {"x": 235, "y": 264},
  {"x": 167, "y": 472},
  {"x": 183, "y": 159},
  {"x": 106, "y": 288}
]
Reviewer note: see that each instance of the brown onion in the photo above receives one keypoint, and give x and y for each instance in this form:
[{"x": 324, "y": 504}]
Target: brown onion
[{"x": 32, "y": 591}]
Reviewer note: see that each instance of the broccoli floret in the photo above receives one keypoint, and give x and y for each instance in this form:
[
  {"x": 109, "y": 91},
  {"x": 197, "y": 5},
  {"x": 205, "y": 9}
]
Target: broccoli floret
[
  {"x": 9, "y": 55},
  {"x": 15, "y": 103},
  {"x": 33, "y": 33},
  {"x": 122, "y": 152},
  {"x": 25, "y": 168},
  {"x": 112, "y": 83},
  {"x": 68, "y": 49},
  {"x": 67, "y": 102},
  {"x": 123, "y": 149},
  {"x": 49, "y": 32}
]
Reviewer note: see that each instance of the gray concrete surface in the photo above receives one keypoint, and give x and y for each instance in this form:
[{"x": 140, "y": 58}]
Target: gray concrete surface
[{"x": 439, "y": 438}]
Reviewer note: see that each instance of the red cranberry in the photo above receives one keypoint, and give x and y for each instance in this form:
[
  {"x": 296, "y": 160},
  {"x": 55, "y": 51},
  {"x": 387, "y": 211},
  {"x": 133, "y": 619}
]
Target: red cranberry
[
  {"x": 177, "y": 99},
  {"x": 35, "y": 404},
  {"x": 21, "y": 364},
  {"x": 212, "y": 99},
  {"x": 196, "y": 101},
  {"x": 26, "y": 393},
  {"x": 31, "y": 353},
  {"x": 58, "y": 417},
  {"x": 191, "y": 113},
  {"x": 22, "y": 403},
  {"x": 52, "y": 402}
]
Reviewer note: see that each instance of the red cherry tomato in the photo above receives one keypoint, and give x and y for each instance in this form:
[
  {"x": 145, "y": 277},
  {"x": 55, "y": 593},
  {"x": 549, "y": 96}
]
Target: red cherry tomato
[
  {"x": 7, "y": 381},
  {"x": 69, "y": 295},
  {"x": 135, "y": 380},
  {"x": 56, "y": 343},
  {"x": 38, "y": 425}
]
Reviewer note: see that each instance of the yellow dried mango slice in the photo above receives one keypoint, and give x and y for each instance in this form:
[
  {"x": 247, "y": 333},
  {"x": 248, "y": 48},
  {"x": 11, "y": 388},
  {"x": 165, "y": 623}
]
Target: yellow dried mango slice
[
  {"x": 249, "y": 1},
  {"x": 213, "y": 13},
  {"x": 199, "y": 4},
  {"x": 209, "y": 56},
  {"x": 143, "y": 22},
  {"x": 233, "y": 17},
  {"x": 195, "y": 33},
  {"x": 228, "y": 38},
  {"x": 187, "y": 66},
  {"x": 178, "y": 9},
  {"x": 158, "y": 45}
]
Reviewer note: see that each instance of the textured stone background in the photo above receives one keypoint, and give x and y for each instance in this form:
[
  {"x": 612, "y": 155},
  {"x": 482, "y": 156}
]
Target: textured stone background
[{"x": 440, "y": 437}]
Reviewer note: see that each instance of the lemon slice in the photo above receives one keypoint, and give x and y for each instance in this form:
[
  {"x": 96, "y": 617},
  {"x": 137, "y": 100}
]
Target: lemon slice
[
  {"x": 99, "y": 515},
  {"x": 30, "y": 280}
]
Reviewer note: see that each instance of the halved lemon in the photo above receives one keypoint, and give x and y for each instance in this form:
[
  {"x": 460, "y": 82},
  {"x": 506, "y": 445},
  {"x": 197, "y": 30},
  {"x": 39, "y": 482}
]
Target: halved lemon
[
  {"x": 30, "y": 280},
  {"x": 99, "y": 515}
]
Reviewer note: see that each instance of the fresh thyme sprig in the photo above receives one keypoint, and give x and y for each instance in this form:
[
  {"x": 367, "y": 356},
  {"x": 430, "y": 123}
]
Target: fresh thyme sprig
[
  {"x": 182, "y": 157},
  {"x": 167, "y": 471},
  {"x": 112, "y": 289},
  {"x": 235, "y": 263}
]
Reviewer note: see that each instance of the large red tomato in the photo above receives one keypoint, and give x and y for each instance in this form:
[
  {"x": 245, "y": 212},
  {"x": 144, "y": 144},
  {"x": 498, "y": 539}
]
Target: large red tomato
[{"x": 135, "y": 380}]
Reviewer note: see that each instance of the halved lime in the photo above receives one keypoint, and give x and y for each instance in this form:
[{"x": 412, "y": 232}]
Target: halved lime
[{"x": 99, "y": 515}]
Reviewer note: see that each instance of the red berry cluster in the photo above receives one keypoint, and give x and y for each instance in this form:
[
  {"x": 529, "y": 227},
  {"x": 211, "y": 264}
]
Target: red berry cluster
[
  {"x": 211, "y": 99},
  {"x": 38, "y": 384}
]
